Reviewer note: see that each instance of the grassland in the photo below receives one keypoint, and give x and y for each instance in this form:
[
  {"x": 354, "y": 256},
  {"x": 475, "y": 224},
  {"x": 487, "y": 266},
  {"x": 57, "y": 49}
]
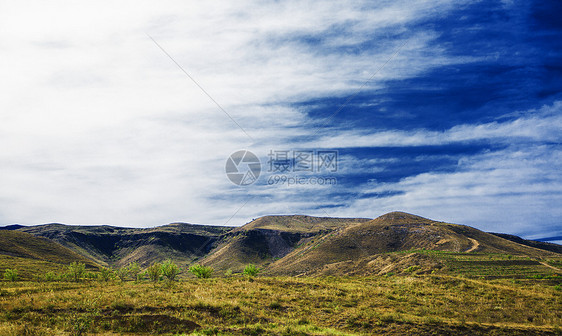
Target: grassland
[
  {"x": 493, "y": 265},
  {"x": 429, "y": 304},
  {"x": 396, "y": 275}
]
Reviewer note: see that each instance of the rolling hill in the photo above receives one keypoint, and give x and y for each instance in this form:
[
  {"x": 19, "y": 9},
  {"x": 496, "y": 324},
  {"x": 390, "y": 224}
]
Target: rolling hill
[
  {"x": 117, "y": 246},
  {"x": 269, "y": 238},
  {"x": 372, "y": 246},
  {"x": 25, "y": 245},
  {"x": 299, "y": 245},
  {"x": 30, "y": 254},
  {"x": 396, "y": 242}
]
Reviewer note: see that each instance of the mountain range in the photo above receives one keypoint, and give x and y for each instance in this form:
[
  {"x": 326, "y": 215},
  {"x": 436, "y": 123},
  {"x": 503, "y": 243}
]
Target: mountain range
[{"x": 281, "y": 245}]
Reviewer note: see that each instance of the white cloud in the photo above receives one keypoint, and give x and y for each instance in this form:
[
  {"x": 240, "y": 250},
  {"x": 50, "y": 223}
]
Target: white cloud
[
  {"x": 97, "y": 125},
  {"x": 516, "y": 191},
  {"x": 542, "y": 125}
]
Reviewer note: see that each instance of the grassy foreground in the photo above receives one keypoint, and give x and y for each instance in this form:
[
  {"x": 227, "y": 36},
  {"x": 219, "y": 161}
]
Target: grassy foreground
[{"x": 389, "y": 305}]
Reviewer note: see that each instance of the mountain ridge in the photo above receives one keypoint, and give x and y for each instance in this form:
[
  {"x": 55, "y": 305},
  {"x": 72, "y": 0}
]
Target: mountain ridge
[{"x": 290, "y": 244}]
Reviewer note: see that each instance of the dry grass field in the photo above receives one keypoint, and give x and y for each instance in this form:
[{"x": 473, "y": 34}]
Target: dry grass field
[
  {"x": 399, "y": 274},
  {"x": 237, "y": 305}
]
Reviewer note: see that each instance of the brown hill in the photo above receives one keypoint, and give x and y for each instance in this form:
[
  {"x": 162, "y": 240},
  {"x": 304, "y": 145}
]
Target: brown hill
[
  {"x": 294, "y": 245},
  {"x": 393, "y": 232},
  {"x": 25, "y": 245},
  {"x": 270, "y": 238},
  {"x": 118, "y": 246},
  {"x": 299, "y": 223}
]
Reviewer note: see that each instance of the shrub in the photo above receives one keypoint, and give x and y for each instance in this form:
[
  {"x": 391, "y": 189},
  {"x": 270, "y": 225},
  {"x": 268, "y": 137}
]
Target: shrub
[
  {"x": 170, "y": 270},
  {"x": 11, "y": 274},
  {"x": 251, "y": 270},
  {"x": 122, "y": 273},
  {"x": 76, "y": 271},
  {"x": 201, "y": 271},
  {"x": 134, "y": 271},
  {"x": 131, "y": 271},
  {"x": 106, "y": 273},
  {"x": 154, "y": 271},
  {"x": 90, "y": 275},
  {"x": 50, "y": 276}
]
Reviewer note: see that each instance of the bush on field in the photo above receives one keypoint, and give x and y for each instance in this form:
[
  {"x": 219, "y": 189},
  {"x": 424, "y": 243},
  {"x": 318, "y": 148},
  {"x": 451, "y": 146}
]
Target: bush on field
[
  {"x": 106, "y": 273},
  {"x": 170, "y": 270},
  {"x": 154, "y": 271},
  {"x": 135, "y": 271},
  {"x": 251, "y": 270},
  {"x": 11, "y": 274},
  {"x": 76, "y": 270},
  {"x": 201, "y": 271},
  {"x": 131, "y": 271},
  {"x": 50, "y": 276}
]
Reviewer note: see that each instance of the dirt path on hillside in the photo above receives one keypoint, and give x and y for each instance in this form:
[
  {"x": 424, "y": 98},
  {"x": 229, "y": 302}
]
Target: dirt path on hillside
[
  {"x": 475, "y": 245},
  {"x": 550, "y": 266}
]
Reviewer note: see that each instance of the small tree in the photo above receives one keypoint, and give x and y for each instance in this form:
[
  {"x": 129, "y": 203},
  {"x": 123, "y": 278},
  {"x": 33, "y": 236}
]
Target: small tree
[
  {"x": 170, "y": 270},
  {"x": 134, "y": 271},
  {"x": 200, "y": 271},
  {"x": 76, "y": 271},
  {"x": 11, "y": 274},
  {"x": 106, "y": 273},
  {"x": 251, "y": 270},
  {"x": 154, "y": 271},
  {"x": 122, "y": 273}
]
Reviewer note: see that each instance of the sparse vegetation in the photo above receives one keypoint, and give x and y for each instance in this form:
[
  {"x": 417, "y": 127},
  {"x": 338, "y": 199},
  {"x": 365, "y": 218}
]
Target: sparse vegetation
[{"x": 201, "y": 271}]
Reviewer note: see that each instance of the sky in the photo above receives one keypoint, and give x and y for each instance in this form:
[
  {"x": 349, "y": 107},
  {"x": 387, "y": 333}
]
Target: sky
[{"x": 126, "y": 113}]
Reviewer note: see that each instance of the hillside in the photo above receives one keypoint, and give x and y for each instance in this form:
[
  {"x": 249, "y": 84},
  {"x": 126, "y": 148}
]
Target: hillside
[
  {"x": 117, "y": 246},
  {"x": 533, "y": 243},
  {"x": 25, "y": 245},
  {"x": 301, "y": 245},
  {"x": 368, "y": 245},
  {"x": 32, "y": 255},
  {"x": 270, "y": 238},
  {"x": 299, "y": 223}
]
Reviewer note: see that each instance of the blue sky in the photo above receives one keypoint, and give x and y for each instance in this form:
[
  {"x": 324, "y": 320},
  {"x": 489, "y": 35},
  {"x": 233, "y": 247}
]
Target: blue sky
[{"x": 446, "y": 109}]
